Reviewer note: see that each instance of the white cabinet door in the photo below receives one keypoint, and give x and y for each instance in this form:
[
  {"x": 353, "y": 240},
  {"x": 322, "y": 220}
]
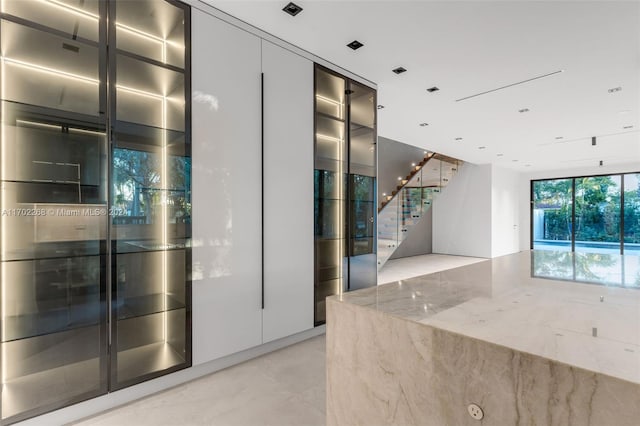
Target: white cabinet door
[
  {"x": 227, "y": 314},
  {"x": 288, "y": 192}
]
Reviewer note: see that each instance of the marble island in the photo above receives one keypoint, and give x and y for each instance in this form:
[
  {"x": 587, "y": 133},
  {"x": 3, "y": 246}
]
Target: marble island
[{"x": 533, "y": 338}]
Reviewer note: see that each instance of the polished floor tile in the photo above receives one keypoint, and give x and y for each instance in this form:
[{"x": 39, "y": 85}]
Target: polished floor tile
[
  {"x": 414, "y": 266},
  {"x": 285, "y": 387}
]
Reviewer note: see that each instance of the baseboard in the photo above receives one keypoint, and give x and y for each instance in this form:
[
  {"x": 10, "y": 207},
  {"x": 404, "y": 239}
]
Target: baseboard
[{"x": 98, "y": 405}]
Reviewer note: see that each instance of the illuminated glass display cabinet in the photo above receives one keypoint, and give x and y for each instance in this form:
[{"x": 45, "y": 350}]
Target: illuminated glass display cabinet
[
  {"x": 345, "y": 187},
  {"x": 95, "y": 198}
]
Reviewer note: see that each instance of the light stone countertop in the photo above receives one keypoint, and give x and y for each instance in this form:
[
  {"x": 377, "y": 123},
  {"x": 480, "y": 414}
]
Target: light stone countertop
[{"x": 582, "y": 310}]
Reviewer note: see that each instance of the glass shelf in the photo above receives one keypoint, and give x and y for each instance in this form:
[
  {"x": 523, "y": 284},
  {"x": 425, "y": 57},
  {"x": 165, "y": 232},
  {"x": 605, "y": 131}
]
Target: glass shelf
[
  {"x": 139, "y": 31},
  {"x": 139, "y": 246},
  {"x": 147, "y": 305},
  {"x": 47, "y": 70},
  {"x": 45, "y": 370},
  {"x": 149, "y": 95},
  {"x": 26, "y": 326},
  {"x": 76, "y": 18},
  {"x": 141, "y": 137},
  {"x": 344, "y": 180},
  {"x": 149, "y": 359}
]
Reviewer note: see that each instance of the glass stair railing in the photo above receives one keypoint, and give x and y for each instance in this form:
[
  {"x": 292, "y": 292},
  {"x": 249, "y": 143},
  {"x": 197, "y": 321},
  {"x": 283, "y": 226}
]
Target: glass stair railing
[{"x": 411, "y": 200}]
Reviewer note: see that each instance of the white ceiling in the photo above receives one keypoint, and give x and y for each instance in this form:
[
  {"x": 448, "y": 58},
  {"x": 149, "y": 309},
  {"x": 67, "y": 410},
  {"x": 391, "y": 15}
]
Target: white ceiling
[{"x": 470, "y": 47}]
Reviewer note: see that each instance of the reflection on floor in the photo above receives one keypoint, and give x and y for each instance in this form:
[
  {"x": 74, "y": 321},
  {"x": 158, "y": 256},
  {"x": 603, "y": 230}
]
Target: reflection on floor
[
  {"x": 586, "y": 247},
  {"x": 286, "y": 387},
  {"x": 407, "y": 267}
]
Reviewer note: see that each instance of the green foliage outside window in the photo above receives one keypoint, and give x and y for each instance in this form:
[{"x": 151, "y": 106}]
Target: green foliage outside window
[{"x": 597, "y": 208}]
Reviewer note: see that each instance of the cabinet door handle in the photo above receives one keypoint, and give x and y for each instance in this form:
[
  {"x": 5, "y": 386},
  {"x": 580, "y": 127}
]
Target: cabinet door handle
[{"x": 262, "y": 183}]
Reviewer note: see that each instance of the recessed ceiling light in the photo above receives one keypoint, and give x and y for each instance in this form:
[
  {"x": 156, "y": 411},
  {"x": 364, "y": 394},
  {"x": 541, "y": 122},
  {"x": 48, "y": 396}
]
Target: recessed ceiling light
[
  {"x": 432, "y": 89},
  {"x": 559, "y": 137},
  {"x": 355, "y": 45},
  {"x": 380, "y": 106},
  {"x": 413, "y": 164},
  {"x": 628, "y": 127},
  {"x": 499, "y": 155},
  {"x": 424, "y": 124},
  {"x": 458, "y": 139},
  {"x": 481, "y": 147},
  {"x": 292, "y": 9},
  {"x": 615, "y": 89},
  {"x": 399, "y": 70},
  {"x": 527, "y": 165},
  {"x": 523, "y": 110},
  {"x": 514, "y": 160},
  {"x": 399, "y": 177}
]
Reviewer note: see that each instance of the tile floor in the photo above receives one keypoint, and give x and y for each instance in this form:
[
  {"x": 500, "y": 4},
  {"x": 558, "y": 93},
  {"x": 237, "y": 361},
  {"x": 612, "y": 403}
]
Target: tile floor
[
  {"x": 285, "y": 387},
  {"x": 407, "y": 267}
]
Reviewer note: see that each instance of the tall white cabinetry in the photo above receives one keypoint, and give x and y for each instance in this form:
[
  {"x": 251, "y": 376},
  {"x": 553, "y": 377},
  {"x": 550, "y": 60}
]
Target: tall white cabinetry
[
  {"x": 252, "y": 189},
  {"x": 288, "y": 192}
]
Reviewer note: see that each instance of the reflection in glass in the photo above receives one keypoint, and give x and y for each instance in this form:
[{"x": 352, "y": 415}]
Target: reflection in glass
[
  {"x": 345, "y": 187},
  {"x": 632, "y": 213},
  {"x": 152, "y": 29},
  {"x": 151, "y": 187},
  {"x": 72, "y": 17},
  {"x": 597, "y": 226},
  {"x": 62, "y": 189},
  {"x": 53, "y": 197},
  {"x": 43, "y": 69},
  {"x": 362, "y": 186},
  {"x": 552, "y": 213},
  {"x": 330, "y": 187}
]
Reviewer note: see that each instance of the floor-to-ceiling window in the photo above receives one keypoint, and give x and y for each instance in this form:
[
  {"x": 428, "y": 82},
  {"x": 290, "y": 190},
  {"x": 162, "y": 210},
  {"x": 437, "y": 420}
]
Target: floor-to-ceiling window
[
  {"x": 593, "y": 214},
  {"x": 597, "y": 214},
  {"x": 631, "y": 215},
  {"x": 552, "y": 219}
]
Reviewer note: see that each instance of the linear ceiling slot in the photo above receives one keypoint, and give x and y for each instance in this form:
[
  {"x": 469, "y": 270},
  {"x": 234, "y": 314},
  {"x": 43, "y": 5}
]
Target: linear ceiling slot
[{"x": 510, "y": 85}]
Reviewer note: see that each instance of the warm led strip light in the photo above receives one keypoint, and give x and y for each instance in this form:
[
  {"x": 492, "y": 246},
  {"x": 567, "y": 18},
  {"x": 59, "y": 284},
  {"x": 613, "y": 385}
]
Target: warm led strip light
[
  {"x": 329, "y": 138},
  {"x": 136, "y": 32},
  {"x": 163, "y": 42},
  {"x": 71, "y": 9},
  {"x": 84, "y": 79},
  {"x": 51, "y": 71},
  {"x": 329, "y": 100},
  {"x": 3, "y": 235},
  {"x": 339, "y": 105},
  {"x": 131, "y": 30},
  {"x": 164, "y": 202}
]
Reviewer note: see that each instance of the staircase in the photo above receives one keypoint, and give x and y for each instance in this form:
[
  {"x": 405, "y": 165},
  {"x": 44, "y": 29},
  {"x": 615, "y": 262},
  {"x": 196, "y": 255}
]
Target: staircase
[{"x": 408, "y": 203}]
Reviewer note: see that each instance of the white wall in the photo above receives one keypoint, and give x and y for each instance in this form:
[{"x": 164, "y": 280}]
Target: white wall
[
  {"x": 524, "y": 196},
  {"x": 462, "y": 214},
  {"x": 505, "y": 218}
]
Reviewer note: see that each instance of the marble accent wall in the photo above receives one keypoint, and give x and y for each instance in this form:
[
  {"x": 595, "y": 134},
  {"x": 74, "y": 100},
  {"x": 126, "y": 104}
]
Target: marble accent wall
[{"x": 385, "y": 370}]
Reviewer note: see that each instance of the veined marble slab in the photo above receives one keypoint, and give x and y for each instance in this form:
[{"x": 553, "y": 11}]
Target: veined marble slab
[
  {"x": 595, "y": 325},
  {"x": 417, "y": 352}
]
